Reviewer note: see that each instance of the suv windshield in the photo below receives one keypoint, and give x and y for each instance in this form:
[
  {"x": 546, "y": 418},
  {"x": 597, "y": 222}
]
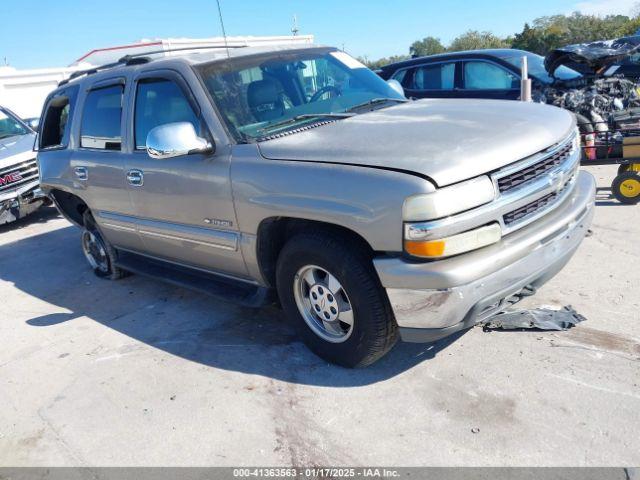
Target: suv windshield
[
  {"x": 261, "y": 95},
  {"x": 536, "y": 67},
  {"x": 10, "y": 126}
]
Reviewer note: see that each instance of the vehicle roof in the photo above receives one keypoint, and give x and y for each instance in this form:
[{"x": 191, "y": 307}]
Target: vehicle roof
[
  {"x": 490, "y": 52},
  {"x": 191, "y": 57}
]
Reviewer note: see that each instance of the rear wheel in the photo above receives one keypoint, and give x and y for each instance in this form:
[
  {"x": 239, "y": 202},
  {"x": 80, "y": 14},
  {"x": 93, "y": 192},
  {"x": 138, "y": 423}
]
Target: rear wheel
[
  {"x": 626, "y": 187},
  {"x": 328, "y": 287},
  {"x": 98, "y": 252}
]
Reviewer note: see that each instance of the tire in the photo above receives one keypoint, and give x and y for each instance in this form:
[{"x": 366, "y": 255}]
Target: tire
[
  {"x": 99, "y": 252},
  {"x": 300, "y": 271},
  {"x": 623, "y": 168},
  {"x": 626, "y": 188}
]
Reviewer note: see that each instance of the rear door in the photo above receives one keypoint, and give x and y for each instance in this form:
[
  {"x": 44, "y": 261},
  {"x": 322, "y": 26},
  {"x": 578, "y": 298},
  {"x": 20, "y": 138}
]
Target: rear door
[
  {"x": 98, "y": 161},
  {"x": 183, "y": 205},
  {"x": 432, "y": 80},
  {"x": 486, "y": 79}
]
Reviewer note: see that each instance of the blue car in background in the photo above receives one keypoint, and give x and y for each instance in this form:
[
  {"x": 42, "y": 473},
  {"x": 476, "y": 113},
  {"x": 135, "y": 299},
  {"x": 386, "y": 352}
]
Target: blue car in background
[{"x": 493, "y": 74}]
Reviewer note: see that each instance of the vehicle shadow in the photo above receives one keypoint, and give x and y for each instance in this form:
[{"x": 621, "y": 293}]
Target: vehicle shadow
[
  {"x": 180, "y": 322},
  {"x": 604, "y": 197}
]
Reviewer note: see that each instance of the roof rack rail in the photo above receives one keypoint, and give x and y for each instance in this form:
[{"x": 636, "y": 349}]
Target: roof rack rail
[{"x": 139, "y": 59}]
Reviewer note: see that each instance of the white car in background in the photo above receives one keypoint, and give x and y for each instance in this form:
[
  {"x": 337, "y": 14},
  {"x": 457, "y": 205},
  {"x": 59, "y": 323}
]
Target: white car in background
[{"x": 20, "y": 193}]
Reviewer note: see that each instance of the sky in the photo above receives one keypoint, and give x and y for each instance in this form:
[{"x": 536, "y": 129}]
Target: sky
[{"x": 54, "y": 33}]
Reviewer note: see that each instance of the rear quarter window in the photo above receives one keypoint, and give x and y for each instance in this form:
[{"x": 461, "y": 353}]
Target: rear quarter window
[{"x": 56, "y": 119}]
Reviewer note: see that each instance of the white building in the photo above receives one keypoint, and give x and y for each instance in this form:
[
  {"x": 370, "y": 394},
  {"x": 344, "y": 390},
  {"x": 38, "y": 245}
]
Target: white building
[{"x": 24, "y": 91}]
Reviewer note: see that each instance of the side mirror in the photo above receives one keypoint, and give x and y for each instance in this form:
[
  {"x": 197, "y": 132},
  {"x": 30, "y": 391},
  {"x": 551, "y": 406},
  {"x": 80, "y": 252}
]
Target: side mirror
[
  {"x": 174, "y": 140},
  {"x": 34, "y": 123},
  {"x": 395, "y": 84}
]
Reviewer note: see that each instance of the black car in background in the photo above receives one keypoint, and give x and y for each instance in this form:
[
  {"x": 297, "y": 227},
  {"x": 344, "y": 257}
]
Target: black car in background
[{"x": 493, "y": 74}]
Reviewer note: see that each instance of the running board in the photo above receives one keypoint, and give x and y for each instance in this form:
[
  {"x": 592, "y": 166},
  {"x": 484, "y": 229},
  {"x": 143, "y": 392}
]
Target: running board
[{"x": 220, "y": 287}]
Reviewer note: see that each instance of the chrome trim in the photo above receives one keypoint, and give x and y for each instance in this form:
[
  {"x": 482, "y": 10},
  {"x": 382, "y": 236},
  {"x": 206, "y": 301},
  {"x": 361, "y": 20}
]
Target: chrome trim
[
  {"x": 144, "y": 226},
  {"x": 174, "y": 140},
  {"x": 183, "y": 239},
  {"x": 19, "y": 190},
  {"x": 81, "y": 173},
  {"x": 564, "y": 175},
  {"x": 533, "y": 159},
  {"x": 121, "y": 228},
  {"x": 135, "y": 177}
]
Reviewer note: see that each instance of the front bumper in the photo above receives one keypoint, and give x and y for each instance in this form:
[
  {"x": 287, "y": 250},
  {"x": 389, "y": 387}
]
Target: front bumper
[
  {"x": 432, "y": 300},
  {"x": 19, "y": 204}
]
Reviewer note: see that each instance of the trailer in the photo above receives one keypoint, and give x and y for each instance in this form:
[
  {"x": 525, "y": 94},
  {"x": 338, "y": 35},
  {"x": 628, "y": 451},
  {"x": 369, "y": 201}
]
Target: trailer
[{"x": 616, "y": 143}]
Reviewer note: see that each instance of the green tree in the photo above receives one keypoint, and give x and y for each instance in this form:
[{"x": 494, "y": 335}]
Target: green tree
[
  {"x": 426, "y": 46},
  {"x": 475, "y": 40},
  {"x": 548, "y": 33},
  {"x": 381, "y": 62}
]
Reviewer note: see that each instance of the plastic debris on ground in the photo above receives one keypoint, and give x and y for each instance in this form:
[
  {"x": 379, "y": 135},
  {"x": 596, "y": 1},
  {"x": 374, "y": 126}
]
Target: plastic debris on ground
[{"x": 538, "y": 319}]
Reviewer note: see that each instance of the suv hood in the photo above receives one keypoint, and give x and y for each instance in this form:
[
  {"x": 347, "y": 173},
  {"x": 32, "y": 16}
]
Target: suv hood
[
  {"x": 16, "y": 149},
  {"x": 445, "y": 140},
  {"x": 592, "y": 58}
]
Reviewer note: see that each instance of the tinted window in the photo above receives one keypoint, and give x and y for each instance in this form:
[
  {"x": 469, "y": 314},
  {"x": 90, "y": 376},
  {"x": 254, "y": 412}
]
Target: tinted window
[
  {"x": 487, "y": 76},
  {"x": 10, "y": 126},
  {"x": 59, "y": 109},
  {"x": 159, "y": 102},
  {"x": 101, "y": 119},
  {"x": 399, "y": 75},
  {"x": 434, "y": 77}
]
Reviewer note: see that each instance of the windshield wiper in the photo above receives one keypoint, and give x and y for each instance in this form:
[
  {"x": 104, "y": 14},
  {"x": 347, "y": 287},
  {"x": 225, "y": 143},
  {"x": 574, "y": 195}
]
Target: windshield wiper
[
  {"x": 374, "y": 101},
  {"x": 305, "y": 116}
]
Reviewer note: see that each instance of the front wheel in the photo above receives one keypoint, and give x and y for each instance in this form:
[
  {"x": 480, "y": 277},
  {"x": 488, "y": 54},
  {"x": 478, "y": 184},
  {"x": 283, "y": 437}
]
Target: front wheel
[
  {"x": 626, "y": 187},
  {"x": 328, "y": 287}
]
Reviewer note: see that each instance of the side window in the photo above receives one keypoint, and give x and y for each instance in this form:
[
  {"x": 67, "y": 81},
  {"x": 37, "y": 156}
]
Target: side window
[
  {"x": 55, "y": 127},
  {"x": 434, "y": 77},
  {"x": 399, "y": 75},
  {"x": 158, "y": 102},
  {"x": 487, "y": 76},
  {"x": 102, "y": 119}
]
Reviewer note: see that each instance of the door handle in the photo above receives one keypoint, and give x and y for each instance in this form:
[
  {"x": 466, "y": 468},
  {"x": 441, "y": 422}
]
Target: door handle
[
  {"x": 81, "y": 173},
  {"x": 135, "y": 177}
]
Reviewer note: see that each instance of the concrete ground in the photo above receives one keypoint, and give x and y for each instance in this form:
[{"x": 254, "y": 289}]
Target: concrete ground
[{"x": 137, "y": 372}]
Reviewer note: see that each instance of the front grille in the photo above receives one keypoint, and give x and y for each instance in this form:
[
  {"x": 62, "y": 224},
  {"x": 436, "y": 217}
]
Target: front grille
[
  {"x": 532, "y": 172},
  {"x": 26, "y": 172},
  {"x": 533, "y": 207}
]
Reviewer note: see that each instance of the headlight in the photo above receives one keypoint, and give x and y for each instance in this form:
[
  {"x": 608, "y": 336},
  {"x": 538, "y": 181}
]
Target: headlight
[
  {"x": 449, "y": 200},
  {"x": 455, "y": 244}
]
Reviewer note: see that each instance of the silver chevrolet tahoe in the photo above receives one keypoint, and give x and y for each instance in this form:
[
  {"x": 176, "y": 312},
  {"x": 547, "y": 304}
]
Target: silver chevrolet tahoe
[
  {"x": 297, "y": 171},
  {"x": 20, "y": 193}
]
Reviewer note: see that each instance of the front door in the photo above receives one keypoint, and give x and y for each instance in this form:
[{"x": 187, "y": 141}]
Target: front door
[
  {"x": 183, "y": 205},
  {"x": 484, "y": 79}
]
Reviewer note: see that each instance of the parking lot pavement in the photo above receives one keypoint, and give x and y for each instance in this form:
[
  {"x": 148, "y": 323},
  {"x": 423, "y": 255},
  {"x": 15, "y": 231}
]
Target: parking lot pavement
[{"x": 137, "y": 372}]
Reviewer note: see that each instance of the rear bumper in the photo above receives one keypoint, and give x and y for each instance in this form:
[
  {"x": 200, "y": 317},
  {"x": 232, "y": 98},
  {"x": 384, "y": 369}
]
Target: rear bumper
[
  {"x": 435, "y": 299},
  {"x": 21, "y": 203}
]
